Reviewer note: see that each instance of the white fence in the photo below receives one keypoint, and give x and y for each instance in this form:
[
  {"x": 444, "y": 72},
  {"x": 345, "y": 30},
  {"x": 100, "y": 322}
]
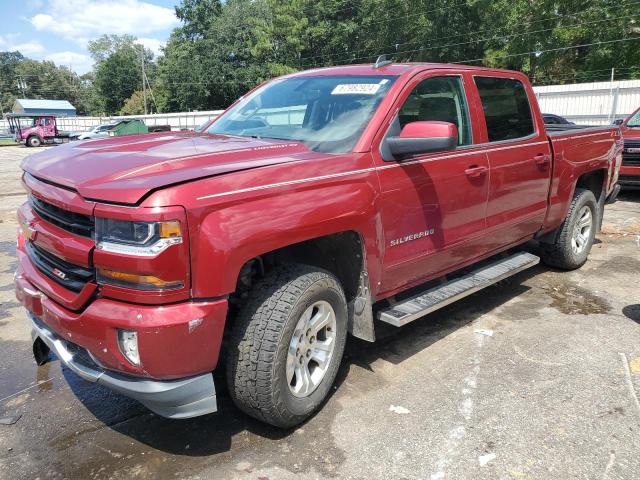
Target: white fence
[{"x": 596, "y": 103}]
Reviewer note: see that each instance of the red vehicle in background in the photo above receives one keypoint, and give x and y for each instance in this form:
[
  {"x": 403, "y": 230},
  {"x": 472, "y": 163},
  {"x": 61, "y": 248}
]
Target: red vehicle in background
[
  {"x": 630, "y": 170},
  {"x": 35, "y": 130},
  {"x": 316, "y": 206}
]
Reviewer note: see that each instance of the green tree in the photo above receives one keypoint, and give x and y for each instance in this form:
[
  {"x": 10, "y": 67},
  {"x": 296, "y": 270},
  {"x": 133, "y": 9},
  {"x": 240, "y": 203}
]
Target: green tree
[
  {"x": 101, "y": 48},
  {"x": 118, "y": 72},
  {"x": 134, "y": 104},
  {"x": 22, "y": 77},
  {"x": 9, "y": 62},
  {"x": 211, "y": 69}
]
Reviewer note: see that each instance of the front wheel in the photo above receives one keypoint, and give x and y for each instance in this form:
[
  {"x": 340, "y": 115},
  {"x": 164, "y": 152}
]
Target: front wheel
[
  {"x": 576, "y": 234},
  {"x": 33, "y": 142},
  {"x": 287, "y": 344}
]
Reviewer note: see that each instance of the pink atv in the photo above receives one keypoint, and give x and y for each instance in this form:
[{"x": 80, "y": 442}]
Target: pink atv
[{"x": 35, "y": 130}]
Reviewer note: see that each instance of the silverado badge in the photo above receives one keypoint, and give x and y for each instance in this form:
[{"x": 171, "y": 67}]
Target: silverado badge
[{"x": 408, "y": 238}]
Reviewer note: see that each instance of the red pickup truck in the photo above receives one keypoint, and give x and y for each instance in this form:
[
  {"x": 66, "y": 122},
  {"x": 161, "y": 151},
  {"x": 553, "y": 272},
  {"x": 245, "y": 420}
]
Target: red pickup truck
[
  {"x": 317, "y": 205},
  {"x": 630, "y": 170}
]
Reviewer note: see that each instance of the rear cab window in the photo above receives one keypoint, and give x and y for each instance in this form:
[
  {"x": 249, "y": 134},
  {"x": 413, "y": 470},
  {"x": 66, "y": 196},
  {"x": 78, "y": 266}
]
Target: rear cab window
[{"x": 506, "y": 108}]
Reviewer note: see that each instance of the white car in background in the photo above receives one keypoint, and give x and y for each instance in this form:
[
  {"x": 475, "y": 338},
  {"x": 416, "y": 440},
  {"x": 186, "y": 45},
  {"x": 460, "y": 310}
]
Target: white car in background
[{"x": 97, "y": 131}]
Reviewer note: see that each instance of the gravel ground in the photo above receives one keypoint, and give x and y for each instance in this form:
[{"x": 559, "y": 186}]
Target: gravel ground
[{"x": 551, "y": 394}]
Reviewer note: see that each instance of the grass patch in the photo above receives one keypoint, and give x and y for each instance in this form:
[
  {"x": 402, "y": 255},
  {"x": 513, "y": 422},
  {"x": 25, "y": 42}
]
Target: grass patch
[{"x": 7, "y": 142}]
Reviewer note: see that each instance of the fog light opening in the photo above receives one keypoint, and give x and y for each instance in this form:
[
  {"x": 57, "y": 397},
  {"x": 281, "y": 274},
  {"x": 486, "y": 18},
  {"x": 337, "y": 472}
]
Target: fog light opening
[{"x": 128, "y": 343}]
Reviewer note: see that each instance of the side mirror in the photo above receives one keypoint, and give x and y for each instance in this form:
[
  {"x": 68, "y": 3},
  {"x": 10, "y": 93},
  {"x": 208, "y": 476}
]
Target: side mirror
[
  {"x": 424, "y": 137},
  {"x": 618, "y": 121}
]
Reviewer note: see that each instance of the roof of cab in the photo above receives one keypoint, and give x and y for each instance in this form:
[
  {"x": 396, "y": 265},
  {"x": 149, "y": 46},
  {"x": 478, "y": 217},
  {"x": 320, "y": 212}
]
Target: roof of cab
[{"x": 390, "y": 69}]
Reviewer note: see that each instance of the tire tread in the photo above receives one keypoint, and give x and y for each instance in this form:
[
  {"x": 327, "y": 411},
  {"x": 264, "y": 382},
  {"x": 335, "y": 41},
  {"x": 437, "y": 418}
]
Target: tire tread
[{"x": 256, "y": 335}]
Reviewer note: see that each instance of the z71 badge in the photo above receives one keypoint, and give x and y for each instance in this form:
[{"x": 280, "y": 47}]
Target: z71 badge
[{"x": 409, "y": 238}]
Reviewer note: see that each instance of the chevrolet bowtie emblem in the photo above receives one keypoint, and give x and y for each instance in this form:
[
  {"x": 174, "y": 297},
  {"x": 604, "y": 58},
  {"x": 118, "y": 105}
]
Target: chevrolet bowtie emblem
[{"x": 27, "y": 230}]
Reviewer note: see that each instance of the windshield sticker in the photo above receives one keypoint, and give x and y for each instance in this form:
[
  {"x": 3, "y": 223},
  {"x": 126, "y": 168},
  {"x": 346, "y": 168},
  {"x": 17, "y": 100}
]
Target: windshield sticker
[{"x": 356, "y": 89}]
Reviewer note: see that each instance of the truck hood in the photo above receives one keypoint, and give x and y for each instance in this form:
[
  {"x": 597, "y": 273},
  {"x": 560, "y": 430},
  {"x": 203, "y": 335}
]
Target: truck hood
[{"x": 124, "y": 169}]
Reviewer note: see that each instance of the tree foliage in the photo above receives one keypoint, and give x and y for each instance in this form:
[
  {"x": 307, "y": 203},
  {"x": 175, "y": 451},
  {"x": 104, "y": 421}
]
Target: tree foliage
[
  {"x": 22, "y": 77},
  {"x": 118, "y": 70},
  {"x": 224, "y": 50}
]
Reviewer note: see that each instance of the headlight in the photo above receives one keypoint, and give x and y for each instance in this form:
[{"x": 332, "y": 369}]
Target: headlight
[{"x": 143, "y": 239}]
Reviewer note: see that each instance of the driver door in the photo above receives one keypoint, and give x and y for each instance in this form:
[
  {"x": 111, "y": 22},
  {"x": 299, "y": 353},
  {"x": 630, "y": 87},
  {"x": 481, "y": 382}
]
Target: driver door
[
  {"x": 433, "y": 206},
  {"x": 47, "y": 127}
]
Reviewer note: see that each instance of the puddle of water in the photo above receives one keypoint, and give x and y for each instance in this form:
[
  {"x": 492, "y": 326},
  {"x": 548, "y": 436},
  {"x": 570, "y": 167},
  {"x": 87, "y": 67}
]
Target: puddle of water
[
  {"x": 620, "y": 264},
  {"x": 572, "y": 300}
]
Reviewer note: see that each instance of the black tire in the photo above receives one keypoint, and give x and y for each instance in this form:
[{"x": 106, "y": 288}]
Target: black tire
[
  {"x": 34, "y": 141},
  {"x": 260, "y": 339},
  {"x": 561, "y": 253}
]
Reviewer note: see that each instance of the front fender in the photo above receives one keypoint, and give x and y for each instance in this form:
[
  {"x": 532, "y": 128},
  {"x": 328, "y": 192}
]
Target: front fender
[
  {"x": 229, "y": 237},
  {"x": 238, "y": 216}
]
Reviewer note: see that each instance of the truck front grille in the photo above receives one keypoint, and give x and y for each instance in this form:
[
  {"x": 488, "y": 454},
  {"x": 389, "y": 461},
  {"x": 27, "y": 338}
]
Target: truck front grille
[
  {"x": 70, "y": 221},
  {"x": 628, "y": 158},
  {"x": 70, "y": 276}
]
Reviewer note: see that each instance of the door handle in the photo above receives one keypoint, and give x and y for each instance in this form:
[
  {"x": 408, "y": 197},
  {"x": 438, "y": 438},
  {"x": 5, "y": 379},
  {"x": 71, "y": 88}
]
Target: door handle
[
  {"x": 475, "y": 171},
  {"x": 541, "y": 159}
]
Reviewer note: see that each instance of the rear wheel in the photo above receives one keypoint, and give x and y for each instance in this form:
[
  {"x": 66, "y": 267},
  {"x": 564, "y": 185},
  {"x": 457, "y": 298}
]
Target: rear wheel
[
  {"x": 287, "y": 344},
  {"x": 576, "y": 234},
  {"x": 34, "y": 141}
]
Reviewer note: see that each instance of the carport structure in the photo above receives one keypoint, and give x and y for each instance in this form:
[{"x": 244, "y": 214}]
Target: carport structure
[{"x": 59, "y": 108}]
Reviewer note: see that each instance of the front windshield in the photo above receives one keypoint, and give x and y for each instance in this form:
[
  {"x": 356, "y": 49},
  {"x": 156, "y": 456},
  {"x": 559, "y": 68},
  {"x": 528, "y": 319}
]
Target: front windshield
[
  {"x": 326, "y": 113},
  {"x": 635, "y": 120}
]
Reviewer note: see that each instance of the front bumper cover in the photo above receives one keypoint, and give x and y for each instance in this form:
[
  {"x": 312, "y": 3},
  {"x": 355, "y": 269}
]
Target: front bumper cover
[{"x": 183, "y": 398}]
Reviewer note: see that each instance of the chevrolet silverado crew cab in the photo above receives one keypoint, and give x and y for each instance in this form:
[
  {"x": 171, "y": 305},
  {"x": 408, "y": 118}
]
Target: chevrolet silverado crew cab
[{"x": 316, "y": 206}]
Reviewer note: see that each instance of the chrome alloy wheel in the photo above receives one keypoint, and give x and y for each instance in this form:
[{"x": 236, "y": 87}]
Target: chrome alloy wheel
[
  {"x": 582, "y": 230},
  {"x": 311, "y": 349}
]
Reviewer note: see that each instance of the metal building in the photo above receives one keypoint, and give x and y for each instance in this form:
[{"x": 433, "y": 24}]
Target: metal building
[
  {"x": 59, "y": 108},
  {"x": 597, "y": 103}
]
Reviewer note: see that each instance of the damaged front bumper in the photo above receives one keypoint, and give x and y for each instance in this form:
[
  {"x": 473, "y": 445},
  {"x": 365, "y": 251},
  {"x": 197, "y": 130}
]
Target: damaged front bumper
[{"x": 183, "y": 398}]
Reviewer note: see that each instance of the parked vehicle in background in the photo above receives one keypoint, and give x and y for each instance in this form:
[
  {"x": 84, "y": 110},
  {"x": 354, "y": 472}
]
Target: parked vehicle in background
[
  {"x": 630, "y": 171},
  {"x": 552, "y": 119},
  {"x": 121, "y": 127},
  {"x": 316, "y": 205},
  {"x": 35, "y": 130},
  {"x": 97, "y": 131}
]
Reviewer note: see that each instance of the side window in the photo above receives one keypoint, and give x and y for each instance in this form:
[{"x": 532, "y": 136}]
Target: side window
[
  {"x": 506, "y": 108},
  {"x": 441, "y": 99}
]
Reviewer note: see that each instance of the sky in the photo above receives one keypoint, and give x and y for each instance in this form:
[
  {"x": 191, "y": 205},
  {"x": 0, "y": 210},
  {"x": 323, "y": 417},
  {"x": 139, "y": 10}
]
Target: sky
[{"x": 58, "y": 30}]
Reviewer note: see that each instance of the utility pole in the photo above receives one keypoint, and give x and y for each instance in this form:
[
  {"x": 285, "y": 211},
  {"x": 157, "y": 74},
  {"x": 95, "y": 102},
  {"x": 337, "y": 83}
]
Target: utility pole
[
  {"x": 144, "y": 86},
  {"x": 612, "y": 113},
  {"x": 22, "y": 86}
]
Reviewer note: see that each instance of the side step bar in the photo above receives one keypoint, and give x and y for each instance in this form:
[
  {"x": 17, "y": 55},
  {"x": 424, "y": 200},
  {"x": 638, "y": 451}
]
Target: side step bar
[{"x": 437, "y": 297}]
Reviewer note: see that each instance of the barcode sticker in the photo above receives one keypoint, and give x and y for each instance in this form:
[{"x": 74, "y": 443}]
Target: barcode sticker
[{"x": 356, "y": 88}]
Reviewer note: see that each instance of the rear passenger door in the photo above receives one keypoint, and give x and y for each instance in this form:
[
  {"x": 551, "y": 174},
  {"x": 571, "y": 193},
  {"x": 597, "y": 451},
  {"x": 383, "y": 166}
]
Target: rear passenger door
[{"x": 519, "y": 159}]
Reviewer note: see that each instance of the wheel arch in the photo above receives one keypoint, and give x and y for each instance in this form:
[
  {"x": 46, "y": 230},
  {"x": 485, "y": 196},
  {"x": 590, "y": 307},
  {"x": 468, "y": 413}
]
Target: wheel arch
[
  {"x": 593, "y": 180},
  {"x": 341, "y": 253}
]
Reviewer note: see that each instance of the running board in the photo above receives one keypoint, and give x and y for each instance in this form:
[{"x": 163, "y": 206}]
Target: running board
[{"x": 419, "y": 305}]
